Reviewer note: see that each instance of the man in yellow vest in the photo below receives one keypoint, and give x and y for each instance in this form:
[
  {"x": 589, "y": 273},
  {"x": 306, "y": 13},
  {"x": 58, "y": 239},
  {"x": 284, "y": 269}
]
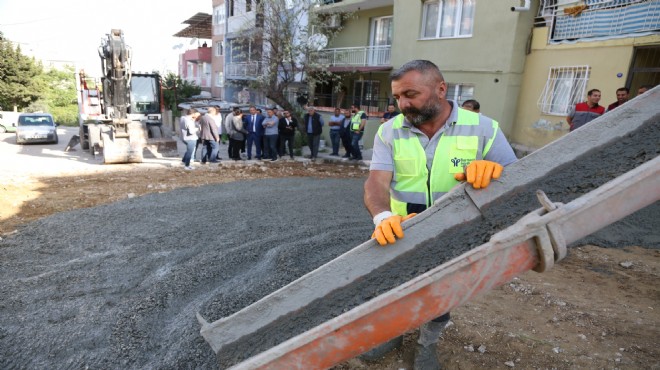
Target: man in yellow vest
[
  {"x": 419, "y": 156},
  {"x": 358, "y": 122}
]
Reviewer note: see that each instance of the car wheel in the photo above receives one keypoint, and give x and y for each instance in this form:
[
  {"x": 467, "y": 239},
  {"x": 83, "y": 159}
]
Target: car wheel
[{"x": 2, "y": 129}]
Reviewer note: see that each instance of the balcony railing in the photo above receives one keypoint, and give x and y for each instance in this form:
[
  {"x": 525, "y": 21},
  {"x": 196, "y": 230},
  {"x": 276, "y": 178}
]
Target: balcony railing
[
  {"x": 244, "y": 70},
  {"x": 357, "y": 56},
  {"x": 598, "y": 18}
]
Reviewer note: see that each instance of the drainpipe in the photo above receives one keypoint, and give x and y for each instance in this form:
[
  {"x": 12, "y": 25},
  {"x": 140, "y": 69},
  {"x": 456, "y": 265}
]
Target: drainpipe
[{"x": 521, "y": 8}]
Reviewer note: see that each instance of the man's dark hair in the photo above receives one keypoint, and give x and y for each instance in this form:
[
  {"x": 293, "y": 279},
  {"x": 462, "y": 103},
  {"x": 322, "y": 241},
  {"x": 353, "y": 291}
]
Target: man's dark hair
[
  {"x": 590, "y": 92},
  {"x": 627, "y": 90},
  {"x": 647, "y": 87},
  {"x": 252, "y": 106},
  {"x": 423, "y": 66},
  {"x": 473, "y": 103}
]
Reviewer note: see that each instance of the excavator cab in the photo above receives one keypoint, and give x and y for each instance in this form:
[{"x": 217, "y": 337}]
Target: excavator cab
[{"x": 129, "y": 118}]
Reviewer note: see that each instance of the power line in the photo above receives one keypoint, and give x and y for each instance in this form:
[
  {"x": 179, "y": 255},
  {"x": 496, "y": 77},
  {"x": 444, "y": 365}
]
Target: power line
[{"x": 28, "y": 22}]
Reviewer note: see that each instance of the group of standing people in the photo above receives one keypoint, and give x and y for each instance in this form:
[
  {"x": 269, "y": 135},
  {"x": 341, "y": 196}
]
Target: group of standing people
[
  {"x": 585, "y": 112},
  {"x": 200, "y": 129}
]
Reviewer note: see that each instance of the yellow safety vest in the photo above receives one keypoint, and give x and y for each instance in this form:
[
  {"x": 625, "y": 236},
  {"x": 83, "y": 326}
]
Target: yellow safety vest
[
  {"x": 356, "y": 120},
  {"x": 468, "y": 139}
]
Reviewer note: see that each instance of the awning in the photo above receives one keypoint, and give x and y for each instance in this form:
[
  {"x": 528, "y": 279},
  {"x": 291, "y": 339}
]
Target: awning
[
  {"x": 200, "y": 27},
  {"x": 359, "y": 68}
]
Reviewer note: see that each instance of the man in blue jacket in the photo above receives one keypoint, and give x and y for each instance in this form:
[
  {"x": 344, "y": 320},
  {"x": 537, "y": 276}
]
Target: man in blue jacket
[{"x": 253, "y": 123}]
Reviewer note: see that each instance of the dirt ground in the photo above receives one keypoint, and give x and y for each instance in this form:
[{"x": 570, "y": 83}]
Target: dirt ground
[{"x": 596, "y": 309}]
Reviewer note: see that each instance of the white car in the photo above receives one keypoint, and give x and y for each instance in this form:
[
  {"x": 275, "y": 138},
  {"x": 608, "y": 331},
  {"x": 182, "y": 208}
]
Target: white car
[{"x": 36, "y": 128}]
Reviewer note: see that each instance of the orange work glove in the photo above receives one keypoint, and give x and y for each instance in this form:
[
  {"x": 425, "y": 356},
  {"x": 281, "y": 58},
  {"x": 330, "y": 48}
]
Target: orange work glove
[
  {"x": 478, "y": 173},
  {"x": 389, "y": 228}
]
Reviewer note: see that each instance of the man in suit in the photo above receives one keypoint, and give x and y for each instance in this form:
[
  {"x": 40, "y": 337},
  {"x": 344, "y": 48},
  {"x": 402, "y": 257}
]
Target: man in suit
[{"x": 253, "y": 123}]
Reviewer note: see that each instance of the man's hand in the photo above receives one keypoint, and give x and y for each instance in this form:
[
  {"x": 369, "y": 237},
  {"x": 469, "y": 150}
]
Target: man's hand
[
  {"x": 389, "y": 229},
  {"x": 479, "y": 173}
]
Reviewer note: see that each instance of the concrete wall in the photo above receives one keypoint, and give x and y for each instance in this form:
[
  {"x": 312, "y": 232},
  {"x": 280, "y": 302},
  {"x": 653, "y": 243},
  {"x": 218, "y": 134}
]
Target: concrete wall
[{"x": 606, "y": 58}]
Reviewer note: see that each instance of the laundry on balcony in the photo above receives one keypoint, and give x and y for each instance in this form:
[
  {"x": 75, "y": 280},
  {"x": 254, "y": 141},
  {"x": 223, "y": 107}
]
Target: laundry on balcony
[{"x": 603, "y": 20}]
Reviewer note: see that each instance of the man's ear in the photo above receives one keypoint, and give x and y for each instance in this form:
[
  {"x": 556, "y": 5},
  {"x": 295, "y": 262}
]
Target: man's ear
[{"x": 441, "y": 89}]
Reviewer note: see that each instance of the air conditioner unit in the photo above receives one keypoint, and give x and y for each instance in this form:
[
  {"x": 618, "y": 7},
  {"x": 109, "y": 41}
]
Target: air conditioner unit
[{"x": 334, "y": 21}]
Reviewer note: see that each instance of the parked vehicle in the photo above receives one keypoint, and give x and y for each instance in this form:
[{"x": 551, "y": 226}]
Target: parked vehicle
[
  {"x": 36, "y": 128},
  {"x": 8, "y": 121}
]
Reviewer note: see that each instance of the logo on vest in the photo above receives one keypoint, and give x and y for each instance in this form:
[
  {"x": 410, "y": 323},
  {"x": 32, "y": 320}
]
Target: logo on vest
[{"x": 460, "y": 162}]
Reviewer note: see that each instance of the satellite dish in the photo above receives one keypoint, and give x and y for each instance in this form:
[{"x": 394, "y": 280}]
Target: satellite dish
[{"x": 318, "y": 41}]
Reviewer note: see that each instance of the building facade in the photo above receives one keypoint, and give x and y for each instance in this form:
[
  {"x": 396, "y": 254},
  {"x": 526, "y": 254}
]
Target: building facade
[{"x": 577, "y": 46}]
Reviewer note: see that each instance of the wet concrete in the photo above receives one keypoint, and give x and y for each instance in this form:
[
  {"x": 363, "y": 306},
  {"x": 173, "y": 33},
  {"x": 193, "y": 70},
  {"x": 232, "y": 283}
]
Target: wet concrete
[{"x": 566, "y": 183}]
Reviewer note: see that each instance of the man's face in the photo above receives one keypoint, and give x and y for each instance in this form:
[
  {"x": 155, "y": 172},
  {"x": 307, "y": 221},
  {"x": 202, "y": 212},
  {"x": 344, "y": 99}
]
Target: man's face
[
  {"x": 337, "y": 112},
  {"x": 594, "y": 98},
  {"x": 270, "y": 112},
  {"x": 390, "y": 108},
  {"x": 354, "y": 109},
  {"x": 641, "y": 90},
  {"x": 253, "y": 110},
  {"x": 419, "y": 99},
  {"x": 621, "y": 96}
]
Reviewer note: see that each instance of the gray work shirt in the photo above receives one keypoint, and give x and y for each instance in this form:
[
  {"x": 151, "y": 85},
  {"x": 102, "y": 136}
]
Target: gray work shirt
[{"x": 382, "y": 156}]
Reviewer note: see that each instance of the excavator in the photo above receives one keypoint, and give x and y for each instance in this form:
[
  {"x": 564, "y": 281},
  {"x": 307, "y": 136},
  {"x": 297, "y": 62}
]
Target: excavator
[
  {"x": 467, "y": 243},
  {"x": 120, "y": 114}
]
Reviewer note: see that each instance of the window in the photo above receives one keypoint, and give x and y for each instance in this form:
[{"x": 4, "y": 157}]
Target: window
[
  {"x": 460, "y": 92},
  {"x": 447, "y": 18},
  {"x": 231, "y": 7},
  {"x": 366, "y": 92},
  {"x": 219, "y": 49},
  {"x": 248, "y": 6},
  {"x": 565, "y": 87},
  {"x": 219, "y": 79},
  {"x": 219, "y": 15}
]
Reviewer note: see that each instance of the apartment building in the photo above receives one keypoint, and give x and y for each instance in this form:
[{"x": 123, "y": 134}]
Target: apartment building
[
  {"x": 219, "y": 29},
  {"x": 195, "y": 63},
  {"x": 479, "y": 46},
  {"x": 577, "y": 46}
]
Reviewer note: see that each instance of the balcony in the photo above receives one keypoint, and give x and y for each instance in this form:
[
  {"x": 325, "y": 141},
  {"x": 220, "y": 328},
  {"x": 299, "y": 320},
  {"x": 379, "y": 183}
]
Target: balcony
[
  {"x": 597, "y": 19},
  {"x": 369, "y": 56},
  {"x": 325, "y": 6},
  {"x": 244, "y": 70},
  {"x": 201, "y": 54}
]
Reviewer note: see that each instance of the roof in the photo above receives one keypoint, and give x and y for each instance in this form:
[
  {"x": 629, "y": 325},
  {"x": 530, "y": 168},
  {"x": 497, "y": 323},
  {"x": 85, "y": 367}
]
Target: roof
[{"x": 199, "y": 27}]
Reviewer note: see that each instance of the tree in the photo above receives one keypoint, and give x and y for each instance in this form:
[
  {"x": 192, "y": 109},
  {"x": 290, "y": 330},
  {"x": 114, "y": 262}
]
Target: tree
[
  {"x": 286, "y": 37},
  {"x": 175, "y": 90},
  {"x": 18, "y": 87},
  {"x": 59, "y": 98}
]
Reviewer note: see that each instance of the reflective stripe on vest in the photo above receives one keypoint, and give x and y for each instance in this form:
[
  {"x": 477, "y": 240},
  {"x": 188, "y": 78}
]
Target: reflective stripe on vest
[
  {"x": 468, "y": 139},
  {"x": 356, "y": 120}
]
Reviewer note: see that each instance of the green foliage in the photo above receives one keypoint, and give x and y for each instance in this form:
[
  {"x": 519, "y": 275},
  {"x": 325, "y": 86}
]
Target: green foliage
[
  {"x": 176, "y": 90},
  {"x": 18, "y": 84},
  {"x": 59, "y": 98}
]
